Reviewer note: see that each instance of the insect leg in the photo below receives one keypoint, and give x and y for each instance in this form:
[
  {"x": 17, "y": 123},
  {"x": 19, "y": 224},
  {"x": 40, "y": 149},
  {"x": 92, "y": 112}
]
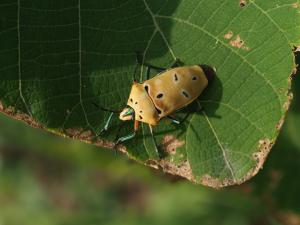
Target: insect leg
[
  {"x": 176, "y": 63},
  {"x": 105, "y": 109},
  {"x": 158, "y": 69},
  {"x": 178, "y": 121},
  {"x": 148, "y": 73},
  {"x": 139, "y": 60},
  {"x": 135, "y": 70},
  {"x": 153, "y": 138},
  {"x": 200, "y": 108},
  {"x": 173, "y": 119},
  {"x": 149, "y": 67},
  {"x": 106, "y": 126},
  {"x": 129, "y": 136},
  {"x": 125, "y": 138}
]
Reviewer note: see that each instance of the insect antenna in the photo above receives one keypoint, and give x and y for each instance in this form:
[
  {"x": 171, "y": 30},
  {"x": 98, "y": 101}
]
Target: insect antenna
[
  {"x": 105, "y": 109},
  {"x": 138, "y": 62},
  {"x": 134, "y": 73}
]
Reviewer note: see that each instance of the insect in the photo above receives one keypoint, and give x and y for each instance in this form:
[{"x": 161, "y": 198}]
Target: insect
[{"x": 158, "y": 97}]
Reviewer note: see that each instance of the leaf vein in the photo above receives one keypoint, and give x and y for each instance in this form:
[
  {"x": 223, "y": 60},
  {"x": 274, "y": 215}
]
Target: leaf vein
[
  {"x": 159, "y": 30},
  {"x": 228, "y": 164},
  {"x": 19, "y": 62},
  {"x": 231, "y": 49},
  {"x": 237, "y": 111}
]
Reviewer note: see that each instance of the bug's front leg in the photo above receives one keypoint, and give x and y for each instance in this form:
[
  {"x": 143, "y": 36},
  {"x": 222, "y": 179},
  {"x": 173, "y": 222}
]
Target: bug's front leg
[
  {"x": 176, "y": 121},
  {"x": 106, "y": 126},
  {"x": 129, "y": 136},
  {"x": 125, "y": 138},
  {"x": 154, "y": 140}
]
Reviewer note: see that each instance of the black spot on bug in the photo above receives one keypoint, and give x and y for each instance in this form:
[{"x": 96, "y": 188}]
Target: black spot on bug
[
  {"x": 158, "y": 111},
  {"x": 131, "y": 100},
  {"x": 175, "y": 77},
  {"x": 140, "y": 117},
  {"x": 136, "y": 103},
  {"x": 194, "y": 78},
  {"x": 147, "y": 88},
  {"x": 185, "y": 94},
  {"x": 141, "y": 111},
  {"x": 160, "y": 95}
]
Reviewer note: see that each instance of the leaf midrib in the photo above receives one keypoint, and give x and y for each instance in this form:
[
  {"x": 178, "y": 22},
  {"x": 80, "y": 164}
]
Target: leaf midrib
[
  {"x": 19, "y": 61},
  {"x": 232, "y": 50},
  {"x": 228, "y": 164}
]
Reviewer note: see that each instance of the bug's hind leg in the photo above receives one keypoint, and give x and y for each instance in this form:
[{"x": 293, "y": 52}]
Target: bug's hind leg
[
  {"x": 154, "y": 141},
  {"x": 200, "y": 107},
  {"x": 176, "y": 121}
]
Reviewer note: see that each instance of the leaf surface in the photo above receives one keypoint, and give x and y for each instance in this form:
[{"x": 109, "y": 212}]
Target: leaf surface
[{"x": 58, "y": 59}]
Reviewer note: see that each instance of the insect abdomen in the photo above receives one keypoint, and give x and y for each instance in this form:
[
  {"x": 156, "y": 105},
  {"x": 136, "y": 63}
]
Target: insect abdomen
[{"x": 177, "y": 87}]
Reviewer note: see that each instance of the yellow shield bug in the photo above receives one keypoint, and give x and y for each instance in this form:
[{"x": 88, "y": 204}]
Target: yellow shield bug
[{"x": 162, "y": 95}]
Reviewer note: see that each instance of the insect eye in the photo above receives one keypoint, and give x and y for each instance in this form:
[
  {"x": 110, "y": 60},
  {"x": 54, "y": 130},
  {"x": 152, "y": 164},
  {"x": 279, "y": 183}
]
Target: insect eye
[{"x": 160, "y": 95}]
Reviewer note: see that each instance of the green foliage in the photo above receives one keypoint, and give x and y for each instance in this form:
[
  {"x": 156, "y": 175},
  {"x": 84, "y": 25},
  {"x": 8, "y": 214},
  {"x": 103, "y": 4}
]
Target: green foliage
[{"x": 56, "y": 59}]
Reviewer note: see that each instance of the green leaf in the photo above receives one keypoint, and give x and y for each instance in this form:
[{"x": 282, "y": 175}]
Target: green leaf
[{"x": 56, "y": 60}]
